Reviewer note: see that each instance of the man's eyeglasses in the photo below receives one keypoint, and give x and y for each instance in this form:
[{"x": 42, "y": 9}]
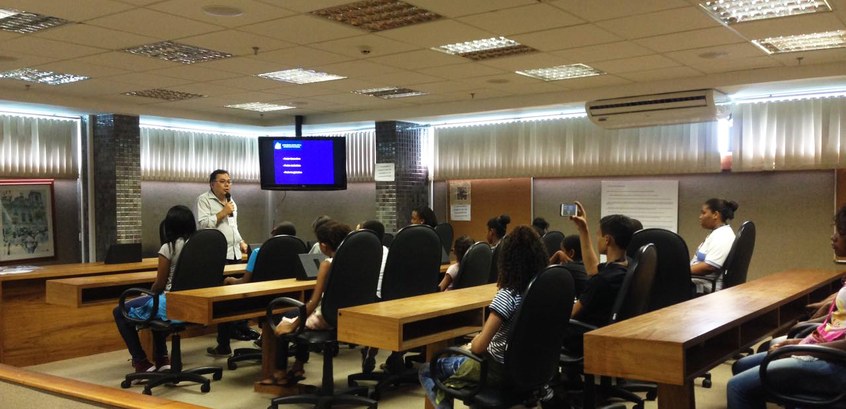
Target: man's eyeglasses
[{"x": 225, "y": 182}]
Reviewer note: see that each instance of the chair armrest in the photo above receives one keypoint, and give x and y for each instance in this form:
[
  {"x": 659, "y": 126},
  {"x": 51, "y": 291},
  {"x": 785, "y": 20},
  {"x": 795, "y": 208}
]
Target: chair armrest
[
  {"x": 131, "y": 292},
  {"x": 802, "y": 329},
  {"x": 819, "y": 351},
  {"x": 281, "y": 302},
  {"x": 463, "y": 394},
  {"x": 577, "y": 325}
]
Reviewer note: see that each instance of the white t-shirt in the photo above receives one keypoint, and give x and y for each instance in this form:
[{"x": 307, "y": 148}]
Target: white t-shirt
[
  {"x": 452, "y": 271},
  {"x": 171, "y": 253},
  {"x": 381, "y": 272},
  {"x": 715, "y": 248}
]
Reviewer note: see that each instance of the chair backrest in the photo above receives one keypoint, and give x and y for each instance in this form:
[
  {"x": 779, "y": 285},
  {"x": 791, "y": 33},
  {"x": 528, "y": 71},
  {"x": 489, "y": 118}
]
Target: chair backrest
[
  {"x": 387, "y": 240},
  {"x": 162, "y": 233},
  {"x": 354, "y": 274},
  {"x": 737, "y": 262},
  {"x": 552, "y": 241},
  {"x": 493, "y": 273},
  {"x": 636, "y": 290},
  {"x": 445, "y": 233},
  {"x": 413, "y": 263},
  {"x": 201, "y": 261},
  {"x": 672, "y": 282},
  {"x": 537, "y": 330},
  {"x": 279, "y": 258},
  {"x": 475, "y": 266}
]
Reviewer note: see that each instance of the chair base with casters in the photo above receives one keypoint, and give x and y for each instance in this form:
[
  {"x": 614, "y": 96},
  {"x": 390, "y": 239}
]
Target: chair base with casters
[
  {"x": 387, "y": 379},
  {"x": 242, "y": 354},
  {"x": 176, "y": 373}
]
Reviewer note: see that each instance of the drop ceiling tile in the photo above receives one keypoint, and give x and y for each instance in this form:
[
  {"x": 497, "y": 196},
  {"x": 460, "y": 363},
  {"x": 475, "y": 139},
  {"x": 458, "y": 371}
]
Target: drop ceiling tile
[
  {"x": 713, "y": 55},
  {"x": 400, "y": 79},
  {"x": 192, "y": 73},
  {"x": 533, "y": 17},
  {"x": 306, "y": 90},
  {"x": 77, "y": 10},
  {"x": 466, "y": 7},
  {"x": 47, "y": 48},
  {"x": 236, "y": 42},
  {"x": 206, "y": 89},
  {"x": 567, "y": 37},
  {"x": 803, "y": 24},
  {"x": 538, "y": 87},
  {"x": 106, "y": 38},
  {"x": 661, "y": 22},
  {"x": 440, "y": 98},
  {"x": 8, "y": 62},
  {"x": 94, "y": 86},
  {"x": 445, "y": 87},
  {"x": 239, "y": 98},
  {"x": 464, "y": 70},
  {"x": 647, "y": 62},
  {"x": 348, "y": 98},
  {"x": 376, "y": 46},
  {"x": 356, "y": 69},
  {"x": 303, "y": 57},
  {"x": 525, "y": 61},
  {"x": 243, "y": 65},
  {"x": 126, "y": 61},
  {"x": 418, "y": 59},
  {"x": 661, "y": 74},
  {"x": 811, "y": 57},
  {"x": 75, "y": 67},
  {"x": 597, "y": 82},
  {"x": 598, "y": 10},
  {"x": 691, "y": 39},
  {"x": 142, "y": 81},
  {"x": 309, "y": 5},
  {"x": 436, "y": 33},
  {"x": 602, "y": 52},
  {"x": 728, "y": 65},
  {"x": 252, "y": 11},
  {"x": 350, "y": 85},
  {"x": 246, "y": 82},
  {"x": 303, "y": 29},
  {"x": 155, "y": 24}
]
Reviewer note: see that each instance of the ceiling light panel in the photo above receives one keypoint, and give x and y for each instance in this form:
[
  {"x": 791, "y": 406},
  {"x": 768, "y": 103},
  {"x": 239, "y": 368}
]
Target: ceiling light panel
[
  {"x": 494, "y": 47},
  {"x": 390, "y": 92},
  {"x": 165, "y": 94},
  {"x": 182, "y": 53},
  {"x": 259, "y": 107},
  {"x": 42, "y": 77},
  {"x": 561, "y": 72},
  {"x": 803, "y": 42},
  {"x": 377, "y": 15},
  {"x": 301, "y": 76},
  {"x": 737, "y": 11},
  {"x": 25, "y": 22}
]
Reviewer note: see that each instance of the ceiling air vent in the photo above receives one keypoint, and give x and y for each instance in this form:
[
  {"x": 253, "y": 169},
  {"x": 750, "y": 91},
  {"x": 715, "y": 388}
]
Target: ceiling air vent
[{"x": 659, "y": 109}]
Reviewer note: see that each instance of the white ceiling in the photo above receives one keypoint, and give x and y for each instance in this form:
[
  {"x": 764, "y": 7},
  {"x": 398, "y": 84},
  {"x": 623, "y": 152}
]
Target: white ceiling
[{"x": 644, "y": 46}]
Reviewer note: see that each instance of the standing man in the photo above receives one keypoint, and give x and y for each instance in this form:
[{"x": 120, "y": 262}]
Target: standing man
[{"x": 217, "y": 210}]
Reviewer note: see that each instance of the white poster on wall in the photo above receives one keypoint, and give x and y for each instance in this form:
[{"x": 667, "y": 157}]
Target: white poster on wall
[
  {"x": 654, "y": 202},
  {"x": 384, "y": 172}
]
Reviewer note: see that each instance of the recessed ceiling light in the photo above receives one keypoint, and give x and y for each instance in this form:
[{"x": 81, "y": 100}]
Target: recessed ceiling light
[
  {"x": 803, "y": 42},
  {"x": 377, "y": 15},
  {"x": 166, "y": 94},
  {"x": 222, "y": 11},
  {"x": 300, "y": 76},
  {"x": 182, "y": 53},
  {"x": 485, "y": 49},
  {"x": 259, "y": 107},
  {"x": 390, "y": 92},
  {"x": 737, "y": 11},
  {"x": 561, "y": 72},
  {"x": 42, "y": 77},
  {"x": 25, "y": 22}
]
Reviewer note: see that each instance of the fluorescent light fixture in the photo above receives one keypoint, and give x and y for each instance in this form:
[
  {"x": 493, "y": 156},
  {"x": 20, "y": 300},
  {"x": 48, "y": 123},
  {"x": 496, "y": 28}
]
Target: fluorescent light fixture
[
  {"x": 259, "y": 107},
  {"x": 7, "y": 13},
  {"x": 25, "y": 22},
  {"x": 165, "y": 94},
  {"x": 803, "y": 42},
  {"x": 390, "y": 92},
  {"x": 42, "y": 77},
  {"x": 377, "y": 15},
  {"x": 182, "y": 53},
  {"x": 486, "y": 48},
  {"x": 737, "y": 11},
  {"x": 300, "y": 76},
  {"x": 561, "y": 72}
]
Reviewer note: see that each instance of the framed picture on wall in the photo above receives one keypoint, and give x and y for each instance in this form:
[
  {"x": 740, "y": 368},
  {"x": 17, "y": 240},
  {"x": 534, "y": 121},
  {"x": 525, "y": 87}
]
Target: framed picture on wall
[{"x": 26, "y": 220}]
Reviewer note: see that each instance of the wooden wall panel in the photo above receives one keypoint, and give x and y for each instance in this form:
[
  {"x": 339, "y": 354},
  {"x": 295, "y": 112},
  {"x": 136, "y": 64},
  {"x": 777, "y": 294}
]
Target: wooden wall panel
[{"x": 491, "y": 198}]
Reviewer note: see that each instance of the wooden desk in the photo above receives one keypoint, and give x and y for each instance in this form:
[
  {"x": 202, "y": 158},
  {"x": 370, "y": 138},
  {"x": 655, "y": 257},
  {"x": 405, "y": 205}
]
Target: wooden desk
[
  {"x": 673, "y": 345},
  {"x": 106, "y": 289}
]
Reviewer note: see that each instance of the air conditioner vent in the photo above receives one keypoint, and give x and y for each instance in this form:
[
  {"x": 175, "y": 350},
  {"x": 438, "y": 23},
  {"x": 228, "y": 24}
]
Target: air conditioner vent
[{"x": 659, "y": 109}]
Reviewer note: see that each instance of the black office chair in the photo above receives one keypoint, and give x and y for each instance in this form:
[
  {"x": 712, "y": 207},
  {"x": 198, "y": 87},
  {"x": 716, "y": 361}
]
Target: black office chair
[
  {"x": 783, "y": 389},
  {"x": 200, "y": 265},
  {"x": 736, "y": 266},
  {"x": 278, "y": 259},
  {"x": 534, "y": 342},
  {"x": 632, "y": 300},
  {"x": 412, "y": 269},
  {"x": 352, "y": 281},
  {"x": 387, "y": 239},
  {"x": 493, "y": 274},
  {"x": 445, "y": 233},
  {"x": 552, "y": 241},
  {"x": 475, "y": 266}
]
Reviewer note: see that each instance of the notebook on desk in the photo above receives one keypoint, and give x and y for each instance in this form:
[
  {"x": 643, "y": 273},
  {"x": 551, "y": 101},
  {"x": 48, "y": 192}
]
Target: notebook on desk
[
  {"x": 311, "y": 265},
  {"x": 123, "y": 253}
]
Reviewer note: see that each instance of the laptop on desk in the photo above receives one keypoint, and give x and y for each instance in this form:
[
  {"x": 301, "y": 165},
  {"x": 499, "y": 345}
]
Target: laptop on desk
[
  {"x": 123, "y": 253},
  {"x": 311, "y": 265}
]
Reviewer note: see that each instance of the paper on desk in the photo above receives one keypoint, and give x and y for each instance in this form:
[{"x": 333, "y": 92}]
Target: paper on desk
[{"x": 18, "y": 269}]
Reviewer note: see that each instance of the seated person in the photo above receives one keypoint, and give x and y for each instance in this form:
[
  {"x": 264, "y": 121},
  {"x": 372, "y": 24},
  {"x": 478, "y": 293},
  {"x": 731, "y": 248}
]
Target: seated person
[
  {"x": 496, "y": 229},
  {"x": 711, "y": 254},
  {"x": 800, "y": 373},
  {"x": 460, "y": 247},
  {"x": 604, "y": 280},
  {"x": 570, "y": 256},
  {"x": 329, "y": 236},
  {"x": 424, "y": 215},
  {"x": 368, "y": 354},
  {"x": 226, "y": 329},
  {"x": 315, "y": 249},
  {"x": 540, "y": 225}
]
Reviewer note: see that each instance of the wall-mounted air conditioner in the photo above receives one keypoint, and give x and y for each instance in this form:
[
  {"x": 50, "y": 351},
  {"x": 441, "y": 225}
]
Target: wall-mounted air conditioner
[{"x": 659, "y": 109}]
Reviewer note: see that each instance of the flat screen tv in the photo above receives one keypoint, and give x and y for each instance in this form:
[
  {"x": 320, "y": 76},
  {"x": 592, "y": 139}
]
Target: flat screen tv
[{"x": 303, "y": 163}]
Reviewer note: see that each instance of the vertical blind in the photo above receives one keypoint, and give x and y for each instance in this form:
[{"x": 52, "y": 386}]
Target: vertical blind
[
  {"x": 38, "y": 147},
  {"x": 572, "y": 147},
  {"x": 789, "y": 135}
]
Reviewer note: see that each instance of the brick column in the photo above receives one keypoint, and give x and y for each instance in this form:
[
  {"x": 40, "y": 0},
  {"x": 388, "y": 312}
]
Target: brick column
[
  {"x": 117, "y": 180},
  {"x": 402, "y": 144}
]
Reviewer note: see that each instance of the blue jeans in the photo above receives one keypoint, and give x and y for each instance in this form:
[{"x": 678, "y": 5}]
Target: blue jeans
[
  {"x": 745, "y": 391},
  {"x": 130, "y": 334},
  {"x": 446, "y": 366}
]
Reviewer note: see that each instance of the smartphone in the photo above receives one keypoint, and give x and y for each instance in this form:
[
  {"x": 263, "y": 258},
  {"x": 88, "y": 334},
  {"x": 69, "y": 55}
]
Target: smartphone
[{"x": 569, "y": 209}]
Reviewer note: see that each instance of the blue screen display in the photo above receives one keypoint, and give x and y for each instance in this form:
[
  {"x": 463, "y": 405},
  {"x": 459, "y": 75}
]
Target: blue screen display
[{"x": 303, "y": 162}]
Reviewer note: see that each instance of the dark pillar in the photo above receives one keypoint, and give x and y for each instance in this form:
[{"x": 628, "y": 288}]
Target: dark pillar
[
  {"x": 117, "y": 180},
  {"x": 402, "y": 144}
]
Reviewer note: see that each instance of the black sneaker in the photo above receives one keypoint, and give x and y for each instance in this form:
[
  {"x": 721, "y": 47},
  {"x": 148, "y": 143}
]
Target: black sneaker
[{"x": 218, "y": 351}]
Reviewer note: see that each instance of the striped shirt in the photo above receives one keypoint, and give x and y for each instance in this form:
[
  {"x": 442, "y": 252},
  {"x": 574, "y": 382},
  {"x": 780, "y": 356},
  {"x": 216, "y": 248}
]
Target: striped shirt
[{"x": 504, "y": 304}]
